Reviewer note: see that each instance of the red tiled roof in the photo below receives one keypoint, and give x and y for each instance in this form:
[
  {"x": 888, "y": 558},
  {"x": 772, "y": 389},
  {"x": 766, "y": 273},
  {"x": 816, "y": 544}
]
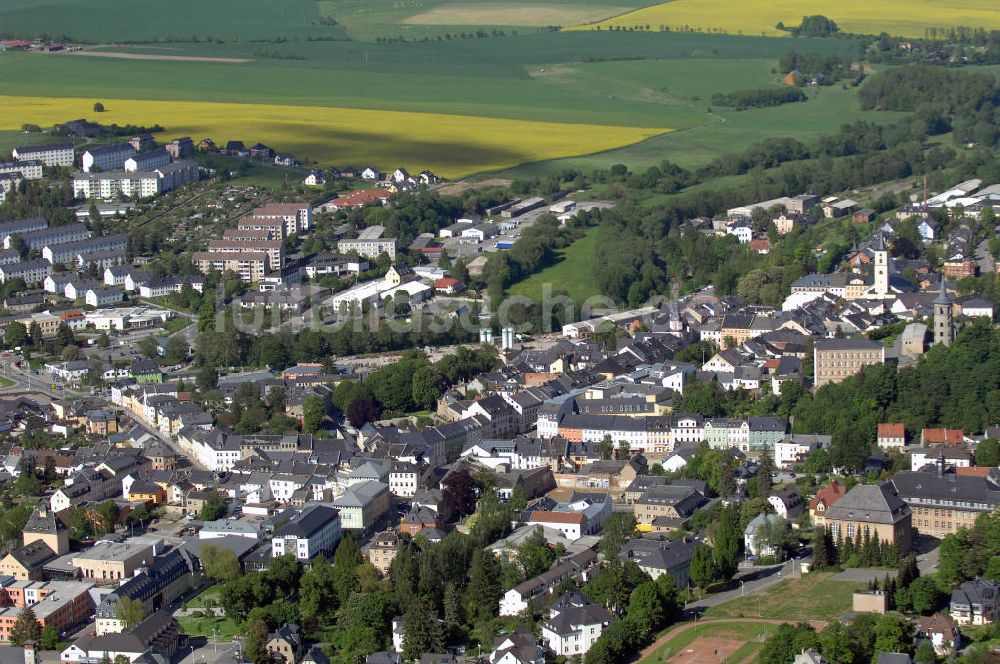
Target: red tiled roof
[
  {"x": 942, "y": 436},
  {"x": 446, "y": 282},
  {"x": 828, "y": 495},
  {"x": 359, "y": 198},
  {"x": 973, "y": 471},
  {"x": 891, "y": 430},
  {"x": 556, "y": 517}
]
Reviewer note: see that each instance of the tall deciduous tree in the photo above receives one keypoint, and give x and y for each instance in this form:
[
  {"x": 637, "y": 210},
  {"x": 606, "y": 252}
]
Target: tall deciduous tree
[{"x": 130, "y": 611}]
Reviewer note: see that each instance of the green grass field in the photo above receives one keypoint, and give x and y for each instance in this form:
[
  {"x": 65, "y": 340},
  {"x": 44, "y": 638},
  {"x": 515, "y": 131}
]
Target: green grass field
[
  {"x": 811, "y": 597},
  {"x": 99, "y": 21},
  {"x": 652, "y": 80},
  {"x": 736, "y": 631},
  {"x": 572, "y": 274}
]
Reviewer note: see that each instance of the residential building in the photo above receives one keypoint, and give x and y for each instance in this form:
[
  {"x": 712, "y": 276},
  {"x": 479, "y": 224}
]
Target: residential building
[
  {"x": 837, "y": 359},
  {"x": 824, "y": 499},
  {"x": 33, "y": 272},
  {"x": 787, "y": 502},
  {"x": 667, "y": 507},
  {"x": 975, "y": 602},
  {"x": 656, "y": 558},
  {"x": 295, "y": 217},
  {"x": 250, "y": 266},
  {"x": 60, "y": 154},
  {"x": 314, "y": 531},
  {"x": 147, "y": 162},
  {"x": 573, "y": 625},
  {"x": 755, "y": 540},
  {"x": 285, "y": 644},
  {"x": 368, "y": 248},
  {"x": 109, "y": 158},
  {"x": 891, "y": 435},
  {"x": 383, "y": 550}
]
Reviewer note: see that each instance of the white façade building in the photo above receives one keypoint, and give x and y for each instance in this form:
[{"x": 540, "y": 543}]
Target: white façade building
[{"x": 313, "y": 531}]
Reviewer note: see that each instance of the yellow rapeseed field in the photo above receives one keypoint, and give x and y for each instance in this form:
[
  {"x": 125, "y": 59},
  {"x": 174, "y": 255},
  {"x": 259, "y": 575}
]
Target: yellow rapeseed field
[
  {"x": 450, "y": 145},
  {"x": 908, "y": 18}
]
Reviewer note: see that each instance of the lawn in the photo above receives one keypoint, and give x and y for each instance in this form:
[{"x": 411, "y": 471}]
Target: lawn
[
  {"x": 177, "y": 324},
  {"x": 812, "y": 597},
  {"x": 449, "y": 145},
  {"x": 572, "y": 274},
  {"x": 910, "y": 18},
  {"x": 735, "y": 631},
  {"x": 6, "y": 382},
  {"x": 195, "y": 626},
  {"x": 208, "y": 597}
]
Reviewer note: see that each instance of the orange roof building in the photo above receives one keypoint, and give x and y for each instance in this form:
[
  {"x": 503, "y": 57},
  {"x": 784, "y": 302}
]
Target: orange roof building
[
  {"x": 824, "y": 500},
  {"x": 891, "y": 435},
  {"x": 949, "y": 437}
]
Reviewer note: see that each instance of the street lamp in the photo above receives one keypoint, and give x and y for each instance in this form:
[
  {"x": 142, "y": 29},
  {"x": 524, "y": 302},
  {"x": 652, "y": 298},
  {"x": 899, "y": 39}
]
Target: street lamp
[{"x": 741, "y": 588}]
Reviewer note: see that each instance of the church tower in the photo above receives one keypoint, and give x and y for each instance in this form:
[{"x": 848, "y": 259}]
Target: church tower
[
  {"x": 944, "y": 330},
  {"x": 881, "y": 262}
]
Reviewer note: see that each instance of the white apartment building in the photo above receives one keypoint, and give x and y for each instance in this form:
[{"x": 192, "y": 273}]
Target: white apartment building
[
  {"x": 60, "y": 154},
  {"x": 573, "y": 630},
  {"x": 313, "y": 531},
  {"x": 147, "y": 161},
  {"x": 32, "y": 272},
  {"x": 28, "y": 169},
  {"x": 109, "y": 158},
  {"x": 248, "y": 266},
  {"x": 116, "y": 185},
  {"x": 368, "y": 248}
]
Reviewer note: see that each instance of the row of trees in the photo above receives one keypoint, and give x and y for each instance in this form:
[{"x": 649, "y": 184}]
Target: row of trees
[{"x": 742, "y": 100}]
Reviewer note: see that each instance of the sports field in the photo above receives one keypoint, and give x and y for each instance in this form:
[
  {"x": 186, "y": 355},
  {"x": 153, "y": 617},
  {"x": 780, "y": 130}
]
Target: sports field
[
  {"x": 709, "y": 643},
  {"x": 909, "y": 18},
  {"x": 450, "y": 145}
]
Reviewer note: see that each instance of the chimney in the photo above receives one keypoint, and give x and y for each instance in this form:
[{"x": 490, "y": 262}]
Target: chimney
[
  {"x": 940, "y": 465},
  {"x": 30, "y": 655}
]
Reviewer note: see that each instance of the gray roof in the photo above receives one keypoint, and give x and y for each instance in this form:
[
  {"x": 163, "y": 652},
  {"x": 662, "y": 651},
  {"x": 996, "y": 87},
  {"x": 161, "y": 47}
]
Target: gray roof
[
  {"x": 950, "y": 487},
  {"x": 43, "y": 520},
  {"x": 570, "y": 619},
  {"x": 360, "y": 494},
  {"x": 871, "y": 504},
  {"x": 660, "y": 555}
]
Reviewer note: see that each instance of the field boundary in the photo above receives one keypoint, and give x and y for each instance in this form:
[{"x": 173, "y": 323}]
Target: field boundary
[{"x": 146, "y": 56}]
